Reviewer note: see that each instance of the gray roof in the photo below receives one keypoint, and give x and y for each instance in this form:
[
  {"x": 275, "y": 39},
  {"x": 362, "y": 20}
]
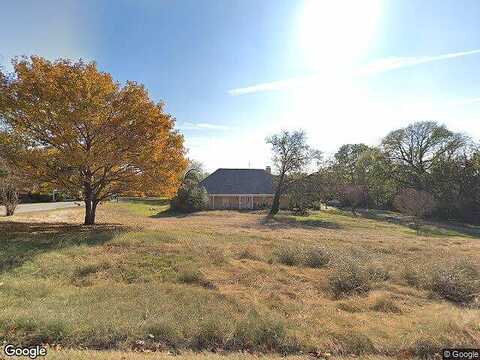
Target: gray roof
[{"x": 239, "y": 181}]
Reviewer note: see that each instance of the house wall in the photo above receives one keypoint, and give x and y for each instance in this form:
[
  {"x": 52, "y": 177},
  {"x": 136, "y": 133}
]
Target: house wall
[
  {"x": 235, "y": 202},
  {"x": 223, "y": 202}
]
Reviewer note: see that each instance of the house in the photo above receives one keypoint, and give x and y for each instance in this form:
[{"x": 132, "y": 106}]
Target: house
[{"x": 239, "y": 188}]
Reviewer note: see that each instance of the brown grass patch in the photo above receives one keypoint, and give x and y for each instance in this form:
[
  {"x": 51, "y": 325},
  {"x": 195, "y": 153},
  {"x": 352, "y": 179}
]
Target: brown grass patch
[{"x": 123, "y": 282}]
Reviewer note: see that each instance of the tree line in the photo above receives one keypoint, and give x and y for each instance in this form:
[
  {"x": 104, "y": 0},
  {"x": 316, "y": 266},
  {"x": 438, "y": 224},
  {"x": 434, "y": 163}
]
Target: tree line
[
  {"x": 67, "y": 125},
  {"x": 424, "y": 165}
]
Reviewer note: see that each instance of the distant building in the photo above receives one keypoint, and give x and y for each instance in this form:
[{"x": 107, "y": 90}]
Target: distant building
[{"x": 239, "y": 188}]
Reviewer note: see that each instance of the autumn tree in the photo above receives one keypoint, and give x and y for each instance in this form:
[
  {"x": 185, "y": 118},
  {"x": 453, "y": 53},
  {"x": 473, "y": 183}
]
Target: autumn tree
[
  {"x": 415, "y": 203},
  {"x": 72, "y": 126},
  {"x": 291, "y": 156}
]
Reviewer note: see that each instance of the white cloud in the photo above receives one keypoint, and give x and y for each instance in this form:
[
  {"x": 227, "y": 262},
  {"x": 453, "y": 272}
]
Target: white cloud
[
  {"x": 393, "y": 63},
  {"x": 203, "y": 126},
  {"x": 375, "y": 67},
  {"x": 270, "y": 86}
]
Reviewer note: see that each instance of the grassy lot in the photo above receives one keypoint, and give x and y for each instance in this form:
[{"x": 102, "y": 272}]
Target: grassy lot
[
  {"x": 148, "y": 280},
  {"x": 117, "y": 355}
]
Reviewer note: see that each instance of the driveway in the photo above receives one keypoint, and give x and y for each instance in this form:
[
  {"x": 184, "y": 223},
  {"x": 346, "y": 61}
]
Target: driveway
[{"x": 26, "y": 208}]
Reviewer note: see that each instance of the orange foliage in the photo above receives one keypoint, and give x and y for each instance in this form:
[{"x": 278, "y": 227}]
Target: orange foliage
[{"x": 72, "y": 126}]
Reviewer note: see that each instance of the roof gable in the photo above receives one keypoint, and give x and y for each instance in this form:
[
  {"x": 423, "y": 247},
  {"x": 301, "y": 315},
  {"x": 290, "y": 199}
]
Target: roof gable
[{"x": 239, "y": 181}]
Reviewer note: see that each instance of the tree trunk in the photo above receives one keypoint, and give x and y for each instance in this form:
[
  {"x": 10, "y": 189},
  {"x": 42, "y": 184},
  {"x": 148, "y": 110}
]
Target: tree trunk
[
  {"x": 416, "y": 224},
  {"x": 275, "y": 204},
  {"x": 10, "y": 210},
  {"x": 89, "y": 213},
  {"x": 276, "y": 198},
  {"x": 90, "y": 206}
]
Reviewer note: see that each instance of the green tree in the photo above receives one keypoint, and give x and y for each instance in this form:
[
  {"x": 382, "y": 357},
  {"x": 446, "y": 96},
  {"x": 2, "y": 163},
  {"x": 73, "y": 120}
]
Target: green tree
[
  {"x": 347, "y": 165},
  {"x": 380, "y": 186},
  {"x": 456, "y": 186},
  {"x": 291, "y": 157},
  {"x": 191, "y": 196},
  {"x": 413, "y": 151}
]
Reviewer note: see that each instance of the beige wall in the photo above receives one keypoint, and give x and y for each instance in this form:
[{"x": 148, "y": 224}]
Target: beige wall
[
  {"x": 223, "y": 202},
  {"x": 243, "y": 202}
]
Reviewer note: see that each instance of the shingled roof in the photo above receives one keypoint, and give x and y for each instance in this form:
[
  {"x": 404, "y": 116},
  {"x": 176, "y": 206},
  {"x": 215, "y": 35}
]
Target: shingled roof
[{"x": 239, "y": 181}]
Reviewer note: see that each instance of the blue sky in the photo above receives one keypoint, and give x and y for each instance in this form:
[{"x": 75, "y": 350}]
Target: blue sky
[{"x": 235, "y": 71}]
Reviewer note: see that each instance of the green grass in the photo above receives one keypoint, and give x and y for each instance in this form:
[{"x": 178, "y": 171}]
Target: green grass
[
  {"x": 106, "y": 289},
  {"x": 144, "y": 207},
  {"x": 228, "y": 281}
]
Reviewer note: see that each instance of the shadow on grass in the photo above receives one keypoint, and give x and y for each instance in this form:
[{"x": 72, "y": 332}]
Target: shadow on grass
[
  {"x": 453, "y": 229},
  {"x": 20, "y": 241},
  {"x": 152, "y": 202},
  {"x": 169, "y": 213},
  {"x": 285, "y": 221},
  {"x": 429, "y": 228}
]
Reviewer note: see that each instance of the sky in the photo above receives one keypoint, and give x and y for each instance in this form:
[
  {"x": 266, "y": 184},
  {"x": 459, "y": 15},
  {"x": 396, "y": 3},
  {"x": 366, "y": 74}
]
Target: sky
[{"x": 233, "y": 72}]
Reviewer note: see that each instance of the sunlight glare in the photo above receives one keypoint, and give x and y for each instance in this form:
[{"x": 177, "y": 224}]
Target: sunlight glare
[{"x": 336, "y": 33}]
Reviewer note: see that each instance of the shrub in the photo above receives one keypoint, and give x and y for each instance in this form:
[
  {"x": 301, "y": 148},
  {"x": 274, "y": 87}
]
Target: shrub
[
  {"x": 349, "y": 307},
  {"x": 316, "y": 257},
  {"x": 263, "y": 334},
  {"x": 294, "y": 255},
  {"x": 190, "y": 197},
  {"x": 36, "y": 198},
  {"x": 458, "y": 282},
  {"x": 354, "y": 343},
  {"x": 385, "y": 304},
  {"x": 378, "y": 273},
  {"x": 289, "y": 255},
  {"x": 165, "y": 333},
  {"x": 83, "y": 270},
  {"x": 248, "y": 253},
  {"x": 425, "y": 347},
  {"x": 349, "y": 279},
  {"x": 191, "y": 275},
  {"x": 415, "y": 203},
  {"x": 411, "y": 276},
  {"x": 215, "y": 255},
  {"x": 210, "y": 335}
]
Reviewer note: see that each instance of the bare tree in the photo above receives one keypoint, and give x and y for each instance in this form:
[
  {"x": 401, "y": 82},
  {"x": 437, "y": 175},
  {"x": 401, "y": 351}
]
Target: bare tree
[
  {"x": 291, "y": 155},
  {"x": 415, "y": 203},
  {"x": 355, "y": 196}
]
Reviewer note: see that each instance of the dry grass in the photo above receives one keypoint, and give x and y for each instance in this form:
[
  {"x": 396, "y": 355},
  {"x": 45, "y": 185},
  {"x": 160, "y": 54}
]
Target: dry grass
[
  {"x": 213, "y": 280},
  {"x": 116, "y": 355}
]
